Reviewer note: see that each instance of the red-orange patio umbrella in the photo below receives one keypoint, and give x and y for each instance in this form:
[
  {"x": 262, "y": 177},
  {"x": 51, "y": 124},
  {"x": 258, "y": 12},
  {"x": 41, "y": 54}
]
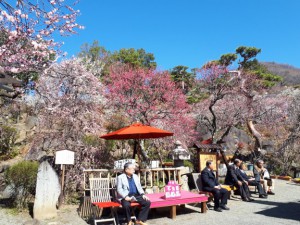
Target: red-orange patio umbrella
[{"x": 136, "y": 131}]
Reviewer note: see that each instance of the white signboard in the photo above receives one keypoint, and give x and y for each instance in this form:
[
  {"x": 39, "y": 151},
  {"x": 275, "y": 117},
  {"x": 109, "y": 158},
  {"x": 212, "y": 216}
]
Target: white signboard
[
  {"x": 119, "y": 165},
  {"x": 64, "y": 157},
  {"x": 154, "y": 164}
]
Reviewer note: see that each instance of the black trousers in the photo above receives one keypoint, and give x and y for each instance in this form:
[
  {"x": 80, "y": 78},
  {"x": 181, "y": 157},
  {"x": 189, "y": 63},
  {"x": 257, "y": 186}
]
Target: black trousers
[
  {"x": 219, "y": 194},
  {"x": 145, "y": 206},
  {"x": 260, "y": 189},
  {"x": 244, "y": 190}
]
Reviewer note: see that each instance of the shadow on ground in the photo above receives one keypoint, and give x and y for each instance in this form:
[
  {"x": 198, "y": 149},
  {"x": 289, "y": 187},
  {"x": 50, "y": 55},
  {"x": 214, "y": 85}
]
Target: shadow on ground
[
  {"x": 158, "y": 213},
  {"x": 283, "y": 210},
  {"x": 287, "y": 210},
  {"x": 165, "y": 212}
]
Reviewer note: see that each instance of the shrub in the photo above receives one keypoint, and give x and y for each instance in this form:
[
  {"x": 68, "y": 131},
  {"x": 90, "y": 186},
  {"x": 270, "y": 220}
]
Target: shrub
[
  {"x": 22, "y": 178},
  {"x": 159, "y": 183},
  {"x": 91, "y": 140},
  {"x": 189, "y": 164},
  {"x": 8, "y": 136}
]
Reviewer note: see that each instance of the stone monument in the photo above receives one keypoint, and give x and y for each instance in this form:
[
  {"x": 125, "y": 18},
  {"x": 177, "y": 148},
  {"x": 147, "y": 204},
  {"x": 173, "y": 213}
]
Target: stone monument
[
  {"x": 47, "y": 192},
  {"x": 179, "y": 154}
]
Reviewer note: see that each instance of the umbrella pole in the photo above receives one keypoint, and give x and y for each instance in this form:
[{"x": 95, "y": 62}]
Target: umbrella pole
[
  {"x": 135, "y": 146},
  {"x": 139, "y": 154},
  {"x": 136, "y": 151}
]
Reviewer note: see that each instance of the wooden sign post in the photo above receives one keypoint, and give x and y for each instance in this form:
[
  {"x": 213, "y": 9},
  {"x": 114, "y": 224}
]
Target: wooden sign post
[
  {"x": 204, "y": 157},
  {"x": 63, "y": 157}
]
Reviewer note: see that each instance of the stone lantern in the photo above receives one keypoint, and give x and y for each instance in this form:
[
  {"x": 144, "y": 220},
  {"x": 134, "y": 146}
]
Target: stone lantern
[{"x": 179, "y": 154}]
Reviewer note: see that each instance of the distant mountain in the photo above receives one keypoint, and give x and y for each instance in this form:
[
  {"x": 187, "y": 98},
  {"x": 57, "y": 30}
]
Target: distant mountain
[{"x": 290, "y": 74}]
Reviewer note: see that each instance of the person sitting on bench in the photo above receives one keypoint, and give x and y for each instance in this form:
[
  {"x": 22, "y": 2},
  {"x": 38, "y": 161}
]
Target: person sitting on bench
[
  {"x": 252, "y": 181},
  {"x": 211, "y": 184},
  {"x": 130, "y": 190},
  {"x": 265, "y": 179},
  {"x": 233, "y": 177}
]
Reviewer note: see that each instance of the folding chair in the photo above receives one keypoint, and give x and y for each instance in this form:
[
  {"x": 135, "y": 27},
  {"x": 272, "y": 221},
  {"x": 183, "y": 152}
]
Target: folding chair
[
  {"x": 199, "y": 186},
  {"x": 101, "y": 197}
]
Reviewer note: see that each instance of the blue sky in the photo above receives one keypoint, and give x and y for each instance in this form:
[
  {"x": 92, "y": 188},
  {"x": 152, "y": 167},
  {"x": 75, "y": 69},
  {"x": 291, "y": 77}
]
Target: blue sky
[{"x": 191, "y": 32}]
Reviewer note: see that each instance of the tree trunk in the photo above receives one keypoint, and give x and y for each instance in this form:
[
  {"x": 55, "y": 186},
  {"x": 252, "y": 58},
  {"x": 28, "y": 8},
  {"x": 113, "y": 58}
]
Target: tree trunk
[
  {"x": 143, "y": 152},
  {"x": 139, "y": 150},
  {"x": 222, "y": 151},
  {"x": 135, "y": 147},
  {"x": 160, "y": 157},
  {"x": 224, "y": 158},
  {"x": 256, "y": 134}
]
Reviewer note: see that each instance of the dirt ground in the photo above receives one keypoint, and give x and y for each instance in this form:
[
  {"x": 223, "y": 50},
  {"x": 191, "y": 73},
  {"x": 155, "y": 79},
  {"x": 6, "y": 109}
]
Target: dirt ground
[{"x": 281, "y": 208}]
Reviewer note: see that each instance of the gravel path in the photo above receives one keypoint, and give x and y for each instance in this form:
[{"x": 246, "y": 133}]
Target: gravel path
[{"x": 282, "y": 208}]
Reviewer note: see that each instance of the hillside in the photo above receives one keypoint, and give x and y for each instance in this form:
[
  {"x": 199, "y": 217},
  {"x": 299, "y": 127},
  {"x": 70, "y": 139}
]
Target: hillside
[{"x": 290, "y": 74}]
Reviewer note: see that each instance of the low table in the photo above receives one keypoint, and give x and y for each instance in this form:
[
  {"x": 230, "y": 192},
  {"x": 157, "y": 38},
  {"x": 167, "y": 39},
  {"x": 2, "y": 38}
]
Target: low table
[{"x": 158, "y": 200}]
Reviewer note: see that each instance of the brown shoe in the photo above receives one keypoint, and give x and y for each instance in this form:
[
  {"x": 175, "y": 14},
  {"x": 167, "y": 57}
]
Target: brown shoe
[{"x": 140, "y": 222}]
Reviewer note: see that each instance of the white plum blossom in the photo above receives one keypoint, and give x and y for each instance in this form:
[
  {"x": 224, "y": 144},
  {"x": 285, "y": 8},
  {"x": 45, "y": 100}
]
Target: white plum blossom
[
  {"x": 18, "y": 12},
  {"x": 10, "y": 18},
  {"x": 36, "y": 22},
  {"x": 14, "y": 70},
  {"x": 71, "y": 106}
]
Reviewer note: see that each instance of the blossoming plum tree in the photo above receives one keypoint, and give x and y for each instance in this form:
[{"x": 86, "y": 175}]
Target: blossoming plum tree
[
  {"x": 236, "y": 98},
  {"x": 151, "y": 97},
  {"x": 26, "y": 33},
  {"x": 69, "y": 108}
]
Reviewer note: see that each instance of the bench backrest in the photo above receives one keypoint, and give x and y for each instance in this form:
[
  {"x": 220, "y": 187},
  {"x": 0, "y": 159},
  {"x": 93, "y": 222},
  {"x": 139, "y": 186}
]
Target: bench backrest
[
  {"x": 113, "y": 183},
  {"x": 198, "y": 181},
  {"x": 100, "y": 190}
]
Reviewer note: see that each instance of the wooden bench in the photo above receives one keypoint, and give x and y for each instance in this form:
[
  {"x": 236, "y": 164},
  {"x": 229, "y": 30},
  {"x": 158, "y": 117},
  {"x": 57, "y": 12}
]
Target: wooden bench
[
  {"x": 158, "y": 201},
  {"x": 199, "y": 186},
  {"x": 103, "y": 192}
]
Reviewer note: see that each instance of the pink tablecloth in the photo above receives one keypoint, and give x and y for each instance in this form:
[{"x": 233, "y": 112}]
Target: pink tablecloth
[{"x": 158, "y": 200}]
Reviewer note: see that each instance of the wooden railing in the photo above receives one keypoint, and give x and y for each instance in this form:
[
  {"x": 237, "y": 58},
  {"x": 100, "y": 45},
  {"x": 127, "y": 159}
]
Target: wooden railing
[
  {"x": 148, "y": 177},
  {"x": 153, "y": 177}
]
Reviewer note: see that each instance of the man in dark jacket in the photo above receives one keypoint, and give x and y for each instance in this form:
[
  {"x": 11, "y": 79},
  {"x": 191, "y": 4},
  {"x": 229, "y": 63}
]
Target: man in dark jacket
[
  {"x": 233, "y": 177},
  {"x": 253, "y": 181},
  {"x": 211, "y": 184}
]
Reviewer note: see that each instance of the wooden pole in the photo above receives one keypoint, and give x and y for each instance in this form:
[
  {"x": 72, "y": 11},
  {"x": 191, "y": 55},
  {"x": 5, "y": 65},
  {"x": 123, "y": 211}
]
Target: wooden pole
[
  {"x": 63, "y": 178},
  {"x": 135, "y": 146},
  {"x": 61, "y": 196}
]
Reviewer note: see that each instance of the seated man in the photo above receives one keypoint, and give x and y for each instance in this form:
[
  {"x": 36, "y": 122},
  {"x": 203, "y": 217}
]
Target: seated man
[
  {"x": 211, "y": 184},
  {"x": 130, "y": 190},
  {"x": 252, "y": 181},
  {"x": 233, "y": 177},
  {"x": 264, "y": 175}
]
